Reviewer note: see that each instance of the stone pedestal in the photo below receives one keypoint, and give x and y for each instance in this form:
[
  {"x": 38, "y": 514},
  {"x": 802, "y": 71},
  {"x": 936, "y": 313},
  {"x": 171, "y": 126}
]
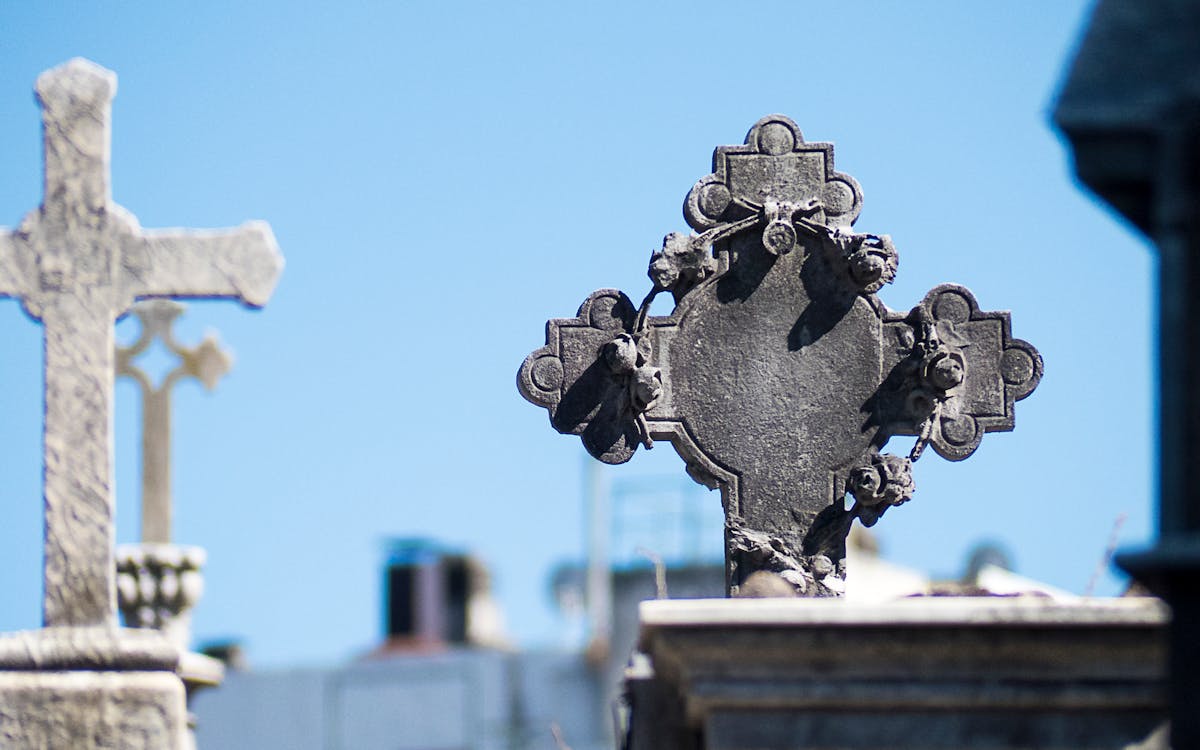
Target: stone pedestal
[
  {"x": 76, "y": 688},
  {"x": 770, "y": 674}
]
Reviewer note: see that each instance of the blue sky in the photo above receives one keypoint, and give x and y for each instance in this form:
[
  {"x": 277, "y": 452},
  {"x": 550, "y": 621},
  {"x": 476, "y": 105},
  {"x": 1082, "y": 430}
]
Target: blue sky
[{"x": 444, "y": 177}]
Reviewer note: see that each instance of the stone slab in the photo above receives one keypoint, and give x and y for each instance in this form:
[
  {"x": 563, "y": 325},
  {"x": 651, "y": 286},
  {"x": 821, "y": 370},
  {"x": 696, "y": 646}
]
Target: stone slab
[
  {"x": 662, "y": 614},
  {"x": 94, "y": 648},
  {"x": 83, "y": 710},
  {"x": 990, "y": 730},
  {"x": 921, "y": 672}
]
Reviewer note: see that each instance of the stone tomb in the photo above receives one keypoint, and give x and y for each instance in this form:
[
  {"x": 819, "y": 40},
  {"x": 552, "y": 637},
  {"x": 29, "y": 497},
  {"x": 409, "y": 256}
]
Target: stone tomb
[
  {"x": 780, "y": 376},
  {"x": 76, "y": 264}
]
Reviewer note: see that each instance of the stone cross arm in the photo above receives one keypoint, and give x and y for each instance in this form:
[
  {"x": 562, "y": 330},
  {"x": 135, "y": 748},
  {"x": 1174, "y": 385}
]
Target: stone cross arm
[
  {"x": 242, "y": 263},
  {"x": 79, "y": 238}
]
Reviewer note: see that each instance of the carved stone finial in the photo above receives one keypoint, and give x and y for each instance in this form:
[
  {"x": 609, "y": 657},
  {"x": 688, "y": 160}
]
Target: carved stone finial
[{"x": 157, "y": 586}]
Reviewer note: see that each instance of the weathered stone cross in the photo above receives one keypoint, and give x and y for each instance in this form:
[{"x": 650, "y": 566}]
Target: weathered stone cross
[
  {"x": 780, "y": 375},
  {"x": 76, "y": 264}
]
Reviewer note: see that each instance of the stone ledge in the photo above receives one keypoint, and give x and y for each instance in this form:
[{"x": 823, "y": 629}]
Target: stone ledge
[
  {"x": 972, "y": 730},
  {"x": 200, "y": 670},
  {"x": 92, "y": 648},
  {"x": 808, "y": 693},
  {"x": 750, "y": 673},
  {"x": 972, "y": 612}
]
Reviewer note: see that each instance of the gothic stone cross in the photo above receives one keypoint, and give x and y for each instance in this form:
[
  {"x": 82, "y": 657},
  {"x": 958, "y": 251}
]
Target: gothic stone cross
[
  {"x": 780, "y": 375},
  {"x": 205, "y": 362},
  {"x": 76, "y": 264}
]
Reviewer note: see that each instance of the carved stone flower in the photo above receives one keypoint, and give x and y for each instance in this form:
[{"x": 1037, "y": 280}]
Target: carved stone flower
[
  {"x": 871, "y": 260},
  {"x": 879, "y": 485},
  {"x": 945, "y": 370},
  {"x": 865, "y": 482},
  {"x": 620, "y": 354},
  {"x": 682, "y": 263},
  {"x": 626, "y": 358},
  {"x": 645, "y": 387}
]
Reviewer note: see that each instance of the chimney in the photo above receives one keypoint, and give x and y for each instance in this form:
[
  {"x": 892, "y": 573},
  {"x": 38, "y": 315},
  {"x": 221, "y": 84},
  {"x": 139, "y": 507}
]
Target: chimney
[{"x": 425, "y": 595}]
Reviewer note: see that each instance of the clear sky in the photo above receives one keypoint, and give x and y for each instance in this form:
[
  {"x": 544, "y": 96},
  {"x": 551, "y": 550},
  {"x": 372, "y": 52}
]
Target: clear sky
[{"x": 444, "y": 177}]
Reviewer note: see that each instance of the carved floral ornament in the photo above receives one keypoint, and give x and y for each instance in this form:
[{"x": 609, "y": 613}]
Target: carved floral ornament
[{"x": 779, "y": 376}]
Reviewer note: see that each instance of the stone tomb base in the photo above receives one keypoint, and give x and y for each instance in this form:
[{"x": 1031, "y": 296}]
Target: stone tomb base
[
  {"x": 75, "y": 688},
  {"x": 770, "y": 674}
]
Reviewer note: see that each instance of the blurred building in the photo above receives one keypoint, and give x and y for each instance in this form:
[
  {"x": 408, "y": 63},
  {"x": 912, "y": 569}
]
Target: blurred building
[
  {"x": 444, "y": 677},
  {"x": 435, "y": 596}
]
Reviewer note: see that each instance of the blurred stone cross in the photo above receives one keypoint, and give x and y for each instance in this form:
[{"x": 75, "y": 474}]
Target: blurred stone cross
[
  {"x": 780, "y": 375},
  {"x": 205, "y": 362},
  {"x": 158, "y": 582},
  {"x": 76, "y": 264}
]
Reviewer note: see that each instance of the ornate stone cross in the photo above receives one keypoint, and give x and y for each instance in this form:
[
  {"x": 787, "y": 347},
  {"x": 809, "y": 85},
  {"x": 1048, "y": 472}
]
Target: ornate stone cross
[
  {"x": 76, "y": 264},
  {"x": 780, "y": 375}
]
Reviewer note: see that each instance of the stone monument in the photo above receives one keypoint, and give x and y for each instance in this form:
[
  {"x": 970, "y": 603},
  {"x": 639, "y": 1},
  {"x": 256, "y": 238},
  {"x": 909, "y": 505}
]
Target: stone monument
[
  {"x": 158, "y": 582},
  {"x": 76, "y": 264},
  {"x": 780, "y": 376}
]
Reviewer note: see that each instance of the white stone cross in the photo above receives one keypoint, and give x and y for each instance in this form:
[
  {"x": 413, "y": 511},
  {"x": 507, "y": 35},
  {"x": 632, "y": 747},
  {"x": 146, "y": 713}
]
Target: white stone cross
[
  {"x": 77, "y": 264},
  {"x": 206, "y": 362}
]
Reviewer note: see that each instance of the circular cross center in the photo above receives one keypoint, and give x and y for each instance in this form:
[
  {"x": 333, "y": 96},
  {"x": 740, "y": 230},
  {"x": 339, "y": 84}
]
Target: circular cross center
[{"x": 775, "y": 385}]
